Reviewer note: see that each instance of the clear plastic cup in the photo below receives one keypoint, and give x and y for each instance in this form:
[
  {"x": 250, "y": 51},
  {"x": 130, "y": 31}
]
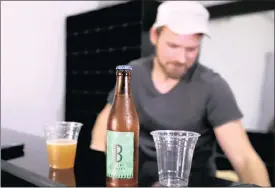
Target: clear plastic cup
[
  {"x": 61, "y": 140},
  {"x": 174, "y": 156}
]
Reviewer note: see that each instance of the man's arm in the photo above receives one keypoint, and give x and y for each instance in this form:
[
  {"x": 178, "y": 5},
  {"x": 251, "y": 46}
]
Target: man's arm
[
  {"x": 99, "y": 130},
  {"x": 224, "y": 115},
  {"x": 244, "y": 159}
]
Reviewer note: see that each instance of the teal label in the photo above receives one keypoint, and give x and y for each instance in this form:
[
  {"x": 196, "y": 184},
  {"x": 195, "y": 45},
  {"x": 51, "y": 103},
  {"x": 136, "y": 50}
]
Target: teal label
[{"x": 120, "y": 154}]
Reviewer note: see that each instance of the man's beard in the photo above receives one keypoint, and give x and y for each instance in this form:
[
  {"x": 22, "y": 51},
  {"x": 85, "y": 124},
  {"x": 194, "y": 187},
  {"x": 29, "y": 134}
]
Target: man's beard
[{"x": 173, "y": 69}]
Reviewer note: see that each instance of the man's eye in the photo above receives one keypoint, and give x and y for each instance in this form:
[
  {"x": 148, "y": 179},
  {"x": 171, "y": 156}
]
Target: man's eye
[
  {"x": 190, "y": 49},
  {"x": 172, "y": 45}
]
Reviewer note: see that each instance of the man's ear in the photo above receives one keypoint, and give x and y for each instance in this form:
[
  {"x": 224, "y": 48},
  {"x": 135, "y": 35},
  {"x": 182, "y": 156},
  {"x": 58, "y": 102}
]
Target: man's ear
[{"x": 153, "y": 36}]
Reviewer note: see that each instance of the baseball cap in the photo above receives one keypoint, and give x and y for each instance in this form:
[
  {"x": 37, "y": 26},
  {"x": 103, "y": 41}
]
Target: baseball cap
[{"x": 183, "y": 17}]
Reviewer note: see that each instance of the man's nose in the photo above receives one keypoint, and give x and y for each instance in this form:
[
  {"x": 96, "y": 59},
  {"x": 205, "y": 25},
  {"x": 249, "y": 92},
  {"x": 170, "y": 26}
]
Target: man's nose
[{"x": 181, "y": 58}]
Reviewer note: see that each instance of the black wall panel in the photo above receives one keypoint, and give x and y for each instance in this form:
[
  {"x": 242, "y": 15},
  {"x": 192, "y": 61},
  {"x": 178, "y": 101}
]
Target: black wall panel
[{"x": 96, "y": 42}]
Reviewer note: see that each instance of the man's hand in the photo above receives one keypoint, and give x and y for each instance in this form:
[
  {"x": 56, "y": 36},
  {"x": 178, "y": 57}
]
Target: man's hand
[
  {"x": 244, "y": 159},
  {"x": 98, "y": 137}
]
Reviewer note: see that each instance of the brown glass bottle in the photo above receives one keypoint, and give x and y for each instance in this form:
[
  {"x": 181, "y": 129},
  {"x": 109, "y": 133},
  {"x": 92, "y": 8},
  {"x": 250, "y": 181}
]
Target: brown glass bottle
[{"x": 122, "y": 134}]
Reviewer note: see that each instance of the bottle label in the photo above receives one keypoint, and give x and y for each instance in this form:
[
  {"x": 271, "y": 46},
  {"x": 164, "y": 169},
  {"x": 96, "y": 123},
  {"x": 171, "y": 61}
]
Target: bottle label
[{"x": 120, "y": 154}]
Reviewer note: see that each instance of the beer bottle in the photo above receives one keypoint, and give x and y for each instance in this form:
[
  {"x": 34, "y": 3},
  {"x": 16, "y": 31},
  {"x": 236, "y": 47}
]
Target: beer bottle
[{"x": 122, "y": 134}]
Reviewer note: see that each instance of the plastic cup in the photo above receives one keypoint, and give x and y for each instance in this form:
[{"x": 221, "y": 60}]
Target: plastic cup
[
  {"x": 61, "y": 140},
  {"x": 64, "y": 176},
  {"x": 174, "y": 156}
]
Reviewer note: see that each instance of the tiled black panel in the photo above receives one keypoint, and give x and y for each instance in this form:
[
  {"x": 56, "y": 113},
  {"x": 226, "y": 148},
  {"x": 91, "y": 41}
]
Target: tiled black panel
[
  {"x": 102, "y": 82},
  {"x": 83, "y": 116},
  {"x": 96, "y": 42},
  {"x": 127, "y": 34},
  {"x": 84, "y": 100},
  {"x": 119, "y": 14},
  {"x": 103, "y": 60},
  {"x": 149, "y": 13},
  {"x": 105, "y": 17}
]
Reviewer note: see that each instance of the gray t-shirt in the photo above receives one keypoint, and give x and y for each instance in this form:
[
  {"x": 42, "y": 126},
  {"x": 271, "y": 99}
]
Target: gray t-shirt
[{"x": 201, "y": 102}]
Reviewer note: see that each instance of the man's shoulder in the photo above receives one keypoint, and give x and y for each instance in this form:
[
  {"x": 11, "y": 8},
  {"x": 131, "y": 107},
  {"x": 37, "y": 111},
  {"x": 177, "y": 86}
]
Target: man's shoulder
[
  {"x": 208, "y": 76},
  {"x": 140, "y": 63}
]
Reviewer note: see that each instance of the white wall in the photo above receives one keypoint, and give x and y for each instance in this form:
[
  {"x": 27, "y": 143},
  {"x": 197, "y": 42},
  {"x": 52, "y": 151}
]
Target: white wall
[
  {"x": 32, "y": 62},
  {"x": 103, "y": 4},
  {"x": 212, "y": 3},
  {"x": 237, "y": 51}
]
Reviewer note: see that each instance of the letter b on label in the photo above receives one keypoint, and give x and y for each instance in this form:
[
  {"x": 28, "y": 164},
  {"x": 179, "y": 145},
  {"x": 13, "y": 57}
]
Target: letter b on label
[{"x": 118, "y": 151}]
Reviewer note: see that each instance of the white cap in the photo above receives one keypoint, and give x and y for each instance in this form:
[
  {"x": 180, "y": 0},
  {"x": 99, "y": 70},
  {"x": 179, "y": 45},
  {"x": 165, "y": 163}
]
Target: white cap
[{"x": 183, "y": 17}]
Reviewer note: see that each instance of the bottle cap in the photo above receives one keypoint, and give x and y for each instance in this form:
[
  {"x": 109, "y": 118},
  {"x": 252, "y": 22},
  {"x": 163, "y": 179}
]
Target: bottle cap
[{"x": 123, "y": 67}]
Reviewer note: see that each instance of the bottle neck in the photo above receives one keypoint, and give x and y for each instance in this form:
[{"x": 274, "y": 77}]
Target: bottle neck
[{"x": 123, "y": 84}]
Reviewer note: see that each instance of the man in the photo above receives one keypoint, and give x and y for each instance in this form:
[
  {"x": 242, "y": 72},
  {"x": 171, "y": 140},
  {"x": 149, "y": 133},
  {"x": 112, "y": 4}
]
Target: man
[{"x": 172, "y": 90}]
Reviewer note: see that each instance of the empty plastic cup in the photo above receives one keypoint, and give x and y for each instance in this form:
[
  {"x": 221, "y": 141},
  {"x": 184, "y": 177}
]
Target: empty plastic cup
[{"x": 174, "y": 156}]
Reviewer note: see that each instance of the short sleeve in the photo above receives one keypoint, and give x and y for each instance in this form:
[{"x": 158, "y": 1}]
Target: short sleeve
[{"x": 222, "y": 106}]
